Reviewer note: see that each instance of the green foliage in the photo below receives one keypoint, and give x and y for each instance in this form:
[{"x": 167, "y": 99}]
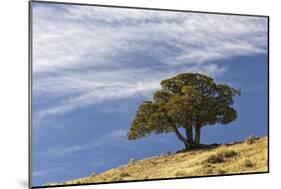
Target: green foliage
[{"x": 188, "y": 100}]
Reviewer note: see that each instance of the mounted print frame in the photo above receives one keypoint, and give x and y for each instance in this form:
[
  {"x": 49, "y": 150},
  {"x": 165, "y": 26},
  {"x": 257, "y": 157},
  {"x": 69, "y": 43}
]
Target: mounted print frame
[{"x": 126, "y": 94}]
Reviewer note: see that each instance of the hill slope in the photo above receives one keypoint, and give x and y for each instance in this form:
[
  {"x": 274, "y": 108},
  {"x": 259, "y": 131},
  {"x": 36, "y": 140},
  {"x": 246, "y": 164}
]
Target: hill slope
[{"x": 241, "y": 157}]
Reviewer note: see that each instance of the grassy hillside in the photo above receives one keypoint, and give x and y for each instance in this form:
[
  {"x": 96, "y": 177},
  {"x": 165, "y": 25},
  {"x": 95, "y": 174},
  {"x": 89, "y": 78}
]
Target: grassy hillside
[{"x": 241, "y": 157}]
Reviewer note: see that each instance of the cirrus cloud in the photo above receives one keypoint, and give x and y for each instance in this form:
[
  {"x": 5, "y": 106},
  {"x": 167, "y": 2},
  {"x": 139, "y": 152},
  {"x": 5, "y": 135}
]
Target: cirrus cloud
[{"x": 85, "y": 55}]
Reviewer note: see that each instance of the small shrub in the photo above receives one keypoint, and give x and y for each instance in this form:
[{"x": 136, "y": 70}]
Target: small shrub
[
  {"x": 146, "y": 177},
  {"x": 217, "y": 158},
  {"x": 220, "y": 157},
  {"x": 124, "y": 175},
  {"x": 181, "y": 151},
  {"x": 229, "y": 153},
  {"x": 93, "y": 174},
  {"x": 248, "y": 163},
  {"x": 115, "y": 178},
  {"x": 181, "y": 173},
  {"x": 221, "y": 172},
  {"x": 132, "y": 161},
  {"x": 208, "y": 171},
  {"x": 207, "y": 165},
  {"x": 251, "y": 139},
  {"x": 153, "y": 162}
]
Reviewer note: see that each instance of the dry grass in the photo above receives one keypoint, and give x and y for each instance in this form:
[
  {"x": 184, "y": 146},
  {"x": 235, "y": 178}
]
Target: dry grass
[{"x": 244, "y": 157}]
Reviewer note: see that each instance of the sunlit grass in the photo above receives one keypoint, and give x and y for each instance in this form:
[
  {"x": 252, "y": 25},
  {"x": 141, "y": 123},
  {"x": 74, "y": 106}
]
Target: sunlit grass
[{"x": 244, "y": 157}]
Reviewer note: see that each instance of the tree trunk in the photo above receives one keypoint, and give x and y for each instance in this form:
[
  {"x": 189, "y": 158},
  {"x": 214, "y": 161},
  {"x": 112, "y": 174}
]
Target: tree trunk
[
  {"x": 197, "y": 135},
  {"x": 189, "y": 135},
  {"x": 179, "y": 135},
  {"x": 186, "y": 146}
]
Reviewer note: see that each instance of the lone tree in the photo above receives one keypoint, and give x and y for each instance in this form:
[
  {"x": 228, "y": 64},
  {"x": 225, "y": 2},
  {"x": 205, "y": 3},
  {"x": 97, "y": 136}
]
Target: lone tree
[{"x": 188, "y": 102}]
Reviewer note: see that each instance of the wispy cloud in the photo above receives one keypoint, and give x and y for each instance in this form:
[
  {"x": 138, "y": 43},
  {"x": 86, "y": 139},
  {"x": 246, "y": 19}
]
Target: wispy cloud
[
  {"x": 254, "y": 89},
  {"x": 112, "y": 138},
  {"x": 87, "y": 55},
  {"x": 115, "y": 139},
  {"x": 42, "y": 173}
]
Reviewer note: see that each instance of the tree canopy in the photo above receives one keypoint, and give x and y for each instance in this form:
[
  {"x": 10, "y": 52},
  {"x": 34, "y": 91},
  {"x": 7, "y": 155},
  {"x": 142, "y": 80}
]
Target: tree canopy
[{"x": 189, "y": 101}]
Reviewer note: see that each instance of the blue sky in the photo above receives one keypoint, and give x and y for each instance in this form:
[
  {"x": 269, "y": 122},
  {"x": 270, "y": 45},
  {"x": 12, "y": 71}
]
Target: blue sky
[{"x": 92, "y": 66}]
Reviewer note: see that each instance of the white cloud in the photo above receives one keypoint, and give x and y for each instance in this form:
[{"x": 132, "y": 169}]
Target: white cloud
[
  {"x": 116, "y": 138},
  {"x": 41, "y": 173},
  {"x": 112, "y": 138},
  {"x": 88, "y": 55}
]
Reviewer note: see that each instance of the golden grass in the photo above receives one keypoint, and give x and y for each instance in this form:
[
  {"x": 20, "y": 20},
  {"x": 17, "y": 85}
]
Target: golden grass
[{"x": 243, "y": 157}]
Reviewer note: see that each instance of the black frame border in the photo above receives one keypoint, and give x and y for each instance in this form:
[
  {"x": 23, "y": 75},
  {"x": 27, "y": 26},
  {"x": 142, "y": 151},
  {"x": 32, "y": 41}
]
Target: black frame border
[{"x": 30, "y": 81}]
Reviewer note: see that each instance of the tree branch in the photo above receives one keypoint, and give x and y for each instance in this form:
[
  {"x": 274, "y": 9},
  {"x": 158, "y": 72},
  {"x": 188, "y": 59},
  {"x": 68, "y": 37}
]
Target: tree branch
[{"x": 179, "y": 135}]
